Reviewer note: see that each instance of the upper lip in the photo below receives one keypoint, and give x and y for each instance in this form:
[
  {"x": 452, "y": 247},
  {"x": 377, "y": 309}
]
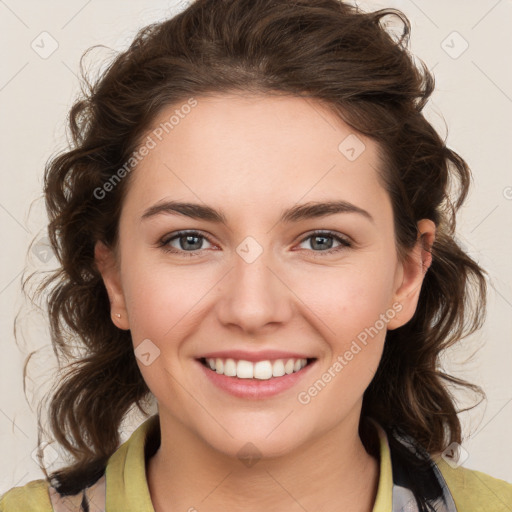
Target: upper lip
[{"x": 254, "y": 356}]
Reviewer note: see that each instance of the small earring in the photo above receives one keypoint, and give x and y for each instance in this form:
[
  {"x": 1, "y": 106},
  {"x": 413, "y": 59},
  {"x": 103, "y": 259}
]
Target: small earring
[{"x": 118, "y": 315}]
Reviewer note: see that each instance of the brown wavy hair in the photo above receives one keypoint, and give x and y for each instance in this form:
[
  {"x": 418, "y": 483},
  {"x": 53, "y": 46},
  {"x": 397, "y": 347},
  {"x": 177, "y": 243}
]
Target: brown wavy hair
[{"x": 324, "y": 50}]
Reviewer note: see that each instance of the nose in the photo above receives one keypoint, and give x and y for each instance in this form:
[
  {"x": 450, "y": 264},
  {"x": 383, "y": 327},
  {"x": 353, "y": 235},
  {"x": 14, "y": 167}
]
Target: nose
[{"x": 254, "y": 296}]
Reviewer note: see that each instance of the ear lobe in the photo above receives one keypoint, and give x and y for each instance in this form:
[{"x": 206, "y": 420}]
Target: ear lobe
[
  {"x": 107, "y": 265},
  {"x": 413, "y": 272}
]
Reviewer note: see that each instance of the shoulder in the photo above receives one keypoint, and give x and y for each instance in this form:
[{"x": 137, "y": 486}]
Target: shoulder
[
  {"x": 39, "y": 496},
  {"x": 32, "y": 497},
  {"x": 474, "y": 491}
]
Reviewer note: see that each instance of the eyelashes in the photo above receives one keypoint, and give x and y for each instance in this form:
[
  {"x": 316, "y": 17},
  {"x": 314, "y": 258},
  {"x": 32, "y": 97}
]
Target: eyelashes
[
  {"x": 164, "y": 243},
  {"x": 344, "y": 242},
  {"x": 190, "y": 236}
]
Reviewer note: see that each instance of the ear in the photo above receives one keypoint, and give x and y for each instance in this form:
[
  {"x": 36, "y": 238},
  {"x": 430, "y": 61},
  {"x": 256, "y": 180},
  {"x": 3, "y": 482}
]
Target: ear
[
  {"x": 107, "y": 265},
  {"x": 411, "y": 273}
]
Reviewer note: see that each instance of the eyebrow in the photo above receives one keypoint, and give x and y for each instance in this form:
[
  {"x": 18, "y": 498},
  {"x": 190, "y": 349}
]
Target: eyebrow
[{"x": 311, "y": 210}]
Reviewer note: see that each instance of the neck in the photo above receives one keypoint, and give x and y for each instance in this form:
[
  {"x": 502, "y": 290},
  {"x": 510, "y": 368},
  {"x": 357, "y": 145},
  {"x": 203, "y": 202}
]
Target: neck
[{"x": 333, "y": 472}]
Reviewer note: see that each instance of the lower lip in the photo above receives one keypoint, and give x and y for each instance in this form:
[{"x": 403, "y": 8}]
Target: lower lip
[{"x": 255, "y": 388}]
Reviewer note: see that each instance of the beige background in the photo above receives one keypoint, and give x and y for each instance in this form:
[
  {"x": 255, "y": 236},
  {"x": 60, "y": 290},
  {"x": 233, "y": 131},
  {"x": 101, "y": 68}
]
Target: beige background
[{"x": 473, "y": 99}]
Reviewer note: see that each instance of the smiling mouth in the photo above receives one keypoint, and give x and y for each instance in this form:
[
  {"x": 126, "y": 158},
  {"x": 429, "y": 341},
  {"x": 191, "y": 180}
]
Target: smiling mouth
[{"x": 262, "y": 370}]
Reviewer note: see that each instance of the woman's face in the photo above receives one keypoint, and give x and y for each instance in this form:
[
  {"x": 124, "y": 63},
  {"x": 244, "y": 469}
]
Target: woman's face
[{"x": 253, "y": 282}]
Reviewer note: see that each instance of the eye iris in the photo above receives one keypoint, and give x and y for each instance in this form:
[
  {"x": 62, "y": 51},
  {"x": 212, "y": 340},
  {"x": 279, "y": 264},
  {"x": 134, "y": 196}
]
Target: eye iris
[
  {"x": 188, "y": 238},
  {"x": 322, "y": 244}
]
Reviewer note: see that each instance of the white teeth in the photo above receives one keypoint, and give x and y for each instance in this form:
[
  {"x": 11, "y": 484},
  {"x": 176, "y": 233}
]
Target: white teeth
[
  {"x": 278, "y": 368},
  {"x": 230, "y": 368},
  {"x": 262, "y": 370},
  {"x": 244, "y": 370}
]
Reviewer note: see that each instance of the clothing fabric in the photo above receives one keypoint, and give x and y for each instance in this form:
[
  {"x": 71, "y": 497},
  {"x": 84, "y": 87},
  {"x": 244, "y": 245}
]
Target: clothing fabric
[{"x": 123, "y": 487}]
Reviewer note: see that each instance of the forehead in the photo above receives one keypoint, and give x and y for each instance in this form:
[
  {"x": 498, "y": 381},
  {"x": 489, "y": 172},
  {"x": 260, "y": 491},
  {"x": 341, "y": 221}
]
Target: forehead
[{"x": 257, "y": 149}]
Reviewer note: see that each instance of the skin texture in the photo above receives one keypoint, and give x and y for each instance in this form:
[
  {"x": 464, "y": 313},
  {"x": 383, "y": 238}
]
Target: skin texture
[{"x": 252, "y": 157}]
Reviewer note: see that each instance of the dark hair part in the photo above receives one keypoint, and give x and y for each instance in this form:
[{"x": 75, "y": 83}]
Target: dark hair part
[{"x": 325, "y": 50}]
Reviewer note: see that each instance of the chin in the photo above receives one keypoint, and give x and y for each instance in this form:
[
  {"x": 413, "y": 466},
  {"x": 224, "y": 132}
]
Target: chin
[
  {"x": 256, "y": 441},
  {"x": 250, "y": 451}
]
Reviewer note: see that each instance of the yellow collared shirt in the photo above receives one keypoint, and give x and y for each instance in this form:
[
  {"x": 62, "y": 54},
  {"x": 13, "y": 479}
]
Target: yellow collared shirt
[{"x": 124, "y": 488}]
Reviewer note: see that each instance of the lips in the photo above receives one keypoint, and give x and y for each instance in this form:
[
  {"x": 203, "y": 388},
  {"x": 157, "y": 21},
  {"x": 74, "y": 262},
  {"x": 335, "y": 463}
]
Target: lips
[
  {"x": 261, "y": 365},
  {"x": 255, "y": 375}
]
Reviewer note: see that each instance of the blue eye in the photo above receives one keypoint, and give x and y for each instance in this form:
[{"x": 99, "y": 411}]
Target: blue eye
[
  {"x": 193, "y": 240},
  {"x": 187, "y": 240},
  {"x": 326, "y": 235}
]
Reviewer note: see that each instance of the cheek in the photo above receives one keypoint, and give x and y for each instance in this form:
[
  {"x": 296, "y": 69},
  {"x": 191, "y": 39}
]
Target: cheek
[
  {"x": 346, "y": 300},
  {"x": 352, "y": 308},
  {"x": 160, "y": 297},
  {"x": 353, "y": 321}
]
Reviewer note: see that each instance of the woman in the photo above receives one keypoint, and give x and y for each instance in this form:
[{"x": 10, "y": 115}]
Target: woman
[{"x": 293, "y": 347}]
